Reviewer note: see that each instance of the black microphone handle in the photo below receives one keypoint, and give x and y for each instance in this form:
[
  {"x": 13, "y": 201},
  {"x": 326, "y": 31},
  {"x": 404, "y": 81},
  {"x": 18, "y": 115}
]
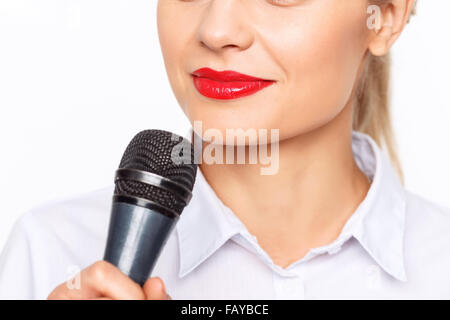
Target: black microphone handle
[{"x": 136, "y": 237}]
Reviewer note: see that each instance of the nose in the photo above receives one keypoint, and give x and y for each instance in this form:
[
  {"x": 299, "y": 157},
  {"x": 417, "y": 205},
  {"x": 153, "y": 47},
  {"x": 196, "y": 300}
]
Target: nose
[{"x": 223, "y": 26}]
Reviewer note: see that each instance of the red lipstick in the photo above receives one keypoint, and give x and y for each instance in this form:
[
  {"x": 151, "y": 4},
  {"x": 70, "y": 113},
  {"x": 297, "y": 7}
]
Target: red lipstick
[{"x": 227, "y": 85}]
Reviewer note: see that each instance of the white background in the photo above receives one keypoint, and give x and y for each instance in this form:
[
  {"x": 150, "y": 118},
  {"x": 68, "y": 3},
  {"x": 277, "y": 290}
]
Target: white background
[{"x": 78, "y": 78}]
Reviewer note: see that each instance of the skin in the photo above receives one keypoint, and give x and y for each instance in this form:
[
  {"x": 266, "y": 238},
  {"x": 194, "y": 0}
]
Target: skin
[
  {"x": 103, "y": 281},
  {"x": 315, "y": 51}
]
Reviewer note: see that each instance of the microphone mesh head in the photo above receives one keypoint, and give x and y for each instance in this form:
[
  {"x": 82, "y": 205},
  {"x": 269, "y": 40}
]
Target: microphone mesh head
[{"x": 153, "y": 151}]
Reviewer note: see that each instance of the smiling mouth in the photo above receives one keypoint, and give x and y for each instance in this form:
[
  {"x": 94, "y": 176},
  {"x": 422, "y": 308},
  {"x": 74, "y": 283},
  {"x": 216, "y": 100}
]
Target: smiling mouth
[{"x": 227, "y": 85}]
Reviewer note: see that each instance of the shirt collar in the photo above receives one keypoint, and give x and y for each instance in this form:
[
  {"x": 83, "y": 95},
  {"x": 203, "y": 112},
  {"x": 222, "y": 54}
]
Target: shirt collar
[
  {"x": 204, "y": 226},
  {"x": 378, "y": 222}
]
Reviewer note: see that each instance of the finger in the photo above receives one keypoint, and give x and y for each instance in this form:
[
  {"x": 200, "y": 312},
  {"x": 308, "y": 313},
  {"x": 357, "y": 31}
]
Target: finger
[
  {"x": 103, "y": 279},
  {"x": 106, "y": 280},
  {"x": 154, "y": 289}
]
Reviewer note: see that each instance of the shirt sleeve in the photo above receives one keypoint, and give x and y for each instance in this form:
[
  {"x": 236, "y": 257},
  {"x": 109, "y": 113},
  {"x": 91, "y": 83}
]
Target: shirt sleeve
[
  {"x": 16, "y": 278},
  {"x": 52, "y": 242},
  {"x": 34, "y": 260}
]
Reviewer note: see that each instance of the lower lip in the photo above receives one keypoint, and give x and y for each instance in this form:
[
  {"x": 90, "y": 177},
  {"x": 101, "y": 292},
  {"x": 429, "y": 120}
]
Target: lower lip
[{"x": 228, "y": 90}]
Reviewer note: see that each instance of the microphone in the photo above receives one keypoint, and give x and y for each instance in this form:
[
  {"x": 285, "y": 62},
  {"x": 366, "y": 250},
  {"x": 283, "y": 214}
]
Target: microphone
[{"x": 152, "y": 187}]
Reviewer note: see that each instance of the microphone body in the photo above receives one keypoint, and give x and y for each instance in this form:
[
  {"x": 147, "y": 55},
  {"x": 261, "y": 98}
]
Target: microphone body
[{"x": 135, "y": 239}]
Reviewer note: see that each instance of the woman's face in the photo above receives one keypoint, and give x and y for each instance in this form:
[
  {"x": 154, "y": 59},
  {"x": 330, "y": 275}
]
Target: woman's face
[{"x": 311, "y": 49}]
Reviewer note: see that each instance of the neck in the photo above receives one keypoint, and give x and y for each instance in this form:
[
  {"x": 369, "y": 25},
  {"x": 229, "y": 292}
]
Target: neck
[{"x": 307, "y": 202}]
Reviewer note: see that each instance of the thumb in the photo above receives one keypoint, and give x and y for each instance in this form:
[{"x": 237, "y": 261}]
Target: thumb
[{"x": 154, "y": 289}]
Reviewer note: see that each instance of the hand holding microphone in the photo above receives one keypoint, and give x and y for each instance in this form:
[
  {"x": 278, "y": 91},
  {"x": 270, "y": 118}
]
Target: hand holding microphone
[
  {"x": 152, "y": 186},
  {"x": 104, "y": 281}
]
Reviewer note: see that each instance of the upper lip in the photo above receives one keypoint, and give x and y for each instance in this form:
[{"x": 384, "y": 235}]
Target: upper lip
[{"x": 227, "y": 75}]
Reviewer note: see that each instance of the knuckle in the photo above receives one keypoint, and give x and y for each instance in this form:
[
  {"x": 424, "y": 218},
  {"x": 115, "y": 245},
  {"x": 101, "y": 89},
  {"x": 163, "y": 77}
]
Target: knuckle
[{"x": 99, "y": 271}]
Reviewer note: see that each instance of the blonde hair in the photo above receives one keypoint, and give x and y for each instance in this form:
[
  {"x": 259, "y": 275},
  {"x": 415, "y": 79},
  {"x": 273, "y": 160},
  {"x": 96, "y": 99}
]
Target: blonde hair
[{"x": 371, "y": 114}]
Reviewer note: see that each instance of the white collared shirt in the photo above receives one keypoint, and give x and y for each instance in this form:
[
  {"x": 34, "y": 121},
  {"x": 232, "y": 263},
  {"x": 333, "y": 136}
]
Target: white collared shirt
[{"x": 396, "y": 245}]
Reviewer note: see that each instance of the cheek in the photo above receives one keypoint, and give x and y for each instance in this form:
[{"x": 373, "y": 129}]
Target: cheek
[
  {"x": 173, "y": 43},
  {"x": 320, "y": 59}
]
